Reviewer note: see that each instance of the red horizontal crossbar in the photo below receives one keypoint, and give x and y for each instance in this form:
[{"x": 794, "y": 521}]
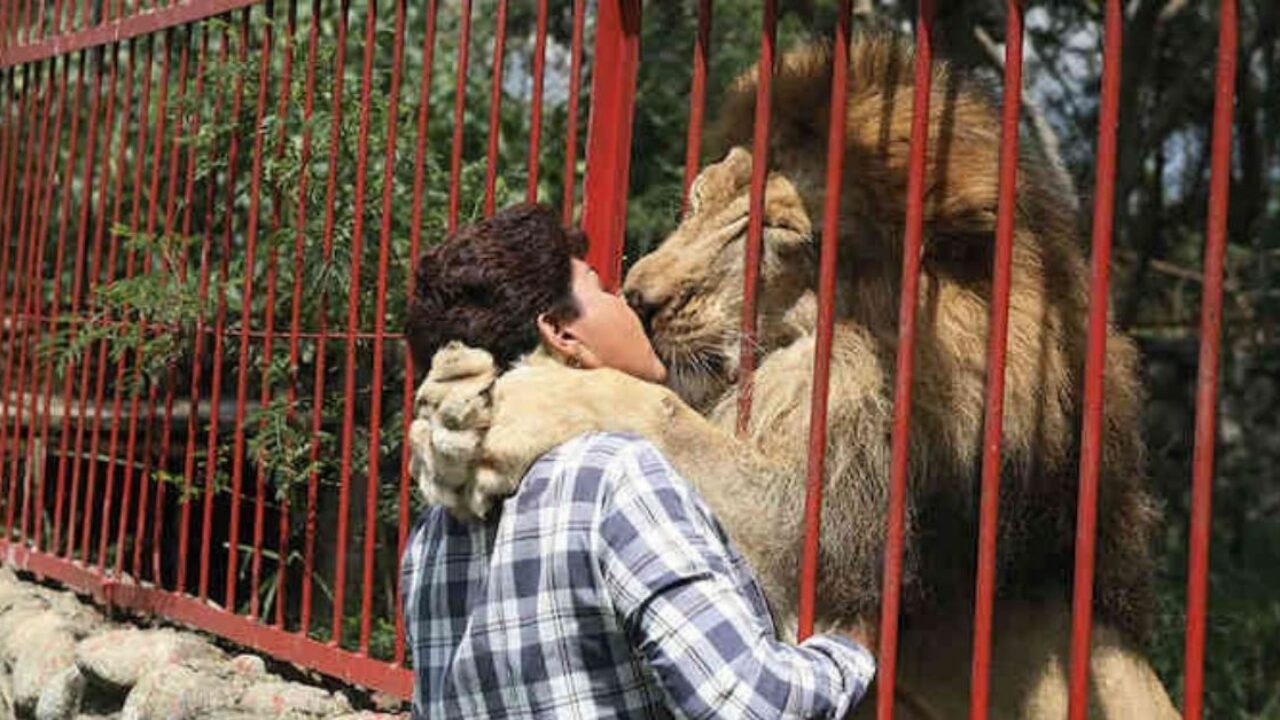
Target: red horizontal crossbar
[
  {"x": 291, "y": 647},
  {"x": 123, "y": 29},
  {"x": 32, "y": 320}
]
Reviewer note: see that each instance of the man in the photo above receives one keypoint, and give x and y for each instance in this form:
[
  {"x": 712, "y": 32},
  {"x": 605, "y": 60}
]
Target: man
[{"x": 603, "y": 587}]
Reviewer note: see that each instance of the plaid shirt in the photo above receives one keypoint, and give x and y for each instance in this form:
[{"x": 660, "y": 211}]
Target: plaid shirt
[{"x": 605, "y": 588}]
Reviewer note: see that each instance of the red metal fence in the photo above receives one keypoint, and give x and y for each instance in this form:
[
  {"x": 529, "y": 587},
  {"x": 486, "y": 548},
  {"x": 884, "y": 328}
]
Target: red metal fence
[{"x": 130, "y": 505}]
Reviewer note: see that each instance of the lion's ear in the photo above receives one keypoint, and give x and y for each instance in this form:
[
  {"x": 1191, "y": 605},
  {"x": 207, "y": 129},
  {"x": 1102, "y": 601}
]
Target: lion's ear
[
  {"x": 787, "y": 224},
  {"x": 719, "y": 182}
]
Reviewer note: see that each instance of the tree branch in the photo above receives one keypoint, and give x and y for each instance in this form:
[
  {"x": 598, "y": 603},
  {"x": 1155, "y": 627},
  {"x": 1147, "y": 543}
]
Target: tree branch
[{"x": 1045, "y": 136}]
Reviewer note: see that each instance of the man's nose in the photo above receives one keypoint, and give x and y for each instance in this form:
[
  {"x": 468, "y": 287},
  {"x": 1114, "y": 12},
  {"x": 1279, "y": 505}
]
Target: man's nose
[{"x": 642, "y": 307}]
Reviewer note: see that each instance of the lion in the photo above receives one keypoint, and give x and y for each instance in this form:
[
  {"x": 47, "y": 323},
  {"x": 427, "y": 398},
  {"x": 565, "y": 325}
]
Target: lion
[{"x": 689, "y": 292}]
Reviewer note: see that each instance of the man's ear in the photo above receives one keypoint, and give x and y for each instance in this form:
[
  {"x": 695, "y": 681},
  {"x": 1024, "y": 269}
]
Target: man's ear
[{"x": 558, "y": 337}]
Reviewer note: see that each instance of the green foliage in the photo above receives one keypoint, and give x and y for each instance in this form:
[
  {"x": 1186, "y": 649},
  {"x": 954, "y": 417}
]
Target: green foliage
[{"x": 175, "y": 292}]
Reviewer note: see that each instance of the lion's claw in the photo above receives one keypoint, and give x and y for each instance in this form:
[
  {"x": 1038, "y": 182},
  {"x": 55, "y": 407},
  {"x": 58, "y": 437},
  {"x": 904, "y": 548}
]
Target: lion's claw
[{"x": 453, "y": 409}]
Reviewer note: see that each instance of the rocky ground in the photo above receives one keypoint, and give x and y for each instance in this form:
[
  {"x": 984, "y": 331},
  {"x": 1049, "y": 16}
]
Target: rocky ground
[{"x": 60, "y": 659}]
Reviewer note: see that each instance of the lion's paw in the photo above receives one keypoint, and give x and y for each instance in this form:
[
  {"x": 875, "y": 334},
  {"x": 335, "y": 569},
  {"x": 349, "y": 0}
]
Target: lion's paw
[{"x": 452, "y": 412}]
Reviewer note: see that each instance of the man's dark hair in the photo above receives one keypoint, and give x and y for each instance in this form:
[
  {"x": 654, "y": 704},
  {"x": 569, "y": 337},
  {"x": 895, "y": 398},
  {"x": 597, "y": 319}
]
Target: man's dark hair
[{"x": 487, "y": 284}]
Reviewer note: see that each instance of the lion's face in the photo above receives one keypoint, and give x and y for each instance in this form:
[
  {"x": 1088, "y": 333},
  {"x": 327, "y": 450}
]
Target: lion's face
[{"x": 689, "y": 291}]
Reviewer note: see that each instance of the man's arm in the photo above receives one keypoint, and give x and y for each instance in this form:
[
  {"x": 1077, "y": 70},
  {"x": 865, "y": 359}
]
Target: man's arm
[{"x": 700, "y": 630}]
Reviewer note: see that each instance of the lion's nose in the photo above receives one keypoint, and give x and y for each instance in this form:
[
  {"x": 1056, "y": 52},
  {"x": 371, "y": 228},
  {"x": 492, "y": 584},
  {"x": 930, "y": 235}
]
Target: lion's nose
[{"x": 643, "y": 308}]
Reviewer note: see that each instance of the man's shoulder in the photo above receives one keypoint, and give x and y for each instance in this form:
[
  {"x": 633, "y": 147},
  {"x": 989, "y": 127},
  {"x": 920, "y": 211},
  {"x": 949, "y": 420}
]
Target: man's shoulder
[
  {"x": 595, "y": 464},
  {"x": 596, "y": 449}
]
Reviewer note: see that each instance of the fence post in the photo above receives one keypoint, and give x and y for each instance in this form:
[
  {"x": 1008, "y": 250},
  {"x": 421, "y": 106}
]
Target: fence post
[{"x": 613, "y": 90}]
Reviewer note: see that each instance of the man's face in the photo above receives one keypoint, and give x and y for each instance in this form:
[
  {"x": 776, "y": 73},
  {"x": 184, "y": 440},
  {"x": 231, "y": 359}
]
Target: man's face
[{"x": 609, "y": 330}]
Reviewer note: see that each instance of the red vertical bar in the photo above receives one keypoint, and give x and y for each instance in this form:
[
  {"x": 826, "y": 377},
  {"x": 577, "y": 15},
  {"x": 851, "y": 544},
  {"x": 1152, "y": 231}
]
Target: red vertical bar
[
  {"x": 95, "y": 433},
  {"x": 459, "y": 105},
  {"x": 379, "y": 333},
  {"x": 246, "y": 317},
  {"x": 1207, "y": 382},
  {"x": 38, "y": 31},
  {"x": 197, "y": 355},
  {"x": 495, "y": 108},
  {"x": 153, "y": 196},
  {"x": 77, "y": 288},
  {"x": 7, "y": 155},
  {"x": 36, "y": 492},
  {"x": 119, "y": 385},
  {"x": 34, "y": 296},
  {"x": 140, "y": 527},
  {"x": 166, "y": 430},
  {"x": 117, "y": 414},
  {"x": 6, "y": 173},
  {"x": 32, "y": 476},
  {"x": 12, "y": 105},
  {"x": 1095, "y": 366},
  {"x": 33, "y": 494},
  {"x": 14, "y": 100},
  {"x": 36, "y": 115},
  {"x": 613, "y": 91},
  {"x": 295, "y": 310},
  {"x": 9, "y": 18},
  {"x": 415, "y": 242},
  {"x": 826, "y": 319},
  {"x": 912, "y": 243},
  {"x": 69, "y": 373},
  {"x": 698, "y": 97},
  {"x": 13, "y": 21},
  {"x": 424, "y": 112},
  {"x": 95, "y": 266},
  {"x": 353, "y": 322},
  {"x": 23, "y": 108},
  {"x": 755, "y": 226},
  {"x": 10, "y": 23},
  {"x": 220, "y": 323},
  {"x": 24, "y": 21},
  {"x": 317, "y": 397},
  {"x": 571, "y": 137},
  {"x": 998, "y": 333},
  {"x": 535, "y": 116},
  {"x": 153, "y": 206},
  {"x": 215, "y": 391},
  {"x": 277, "y": 215},
  {"x": 9, "y": 102}
]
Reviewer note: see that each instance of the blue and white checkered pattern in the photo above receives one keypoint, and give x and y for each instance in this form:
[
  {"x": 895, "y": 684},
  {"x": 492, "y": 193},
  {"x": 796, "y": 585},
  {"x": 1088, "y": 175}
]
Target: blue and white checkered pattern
[{"x": 605, "y": 589}]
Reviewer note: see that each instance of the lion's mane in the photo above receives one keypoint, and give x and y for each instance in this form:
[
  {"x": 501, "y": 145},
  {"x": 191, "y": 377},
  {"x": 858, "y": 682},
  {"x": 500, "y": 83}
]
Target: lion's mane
[{"x": 693, "y": 286}]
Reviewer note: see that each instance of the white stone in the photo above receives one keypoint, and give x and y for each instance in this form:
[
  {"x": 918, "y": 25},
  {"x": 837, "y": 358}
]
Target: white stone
[
  {"x": 277, "y": 698},
  {"x": 248, "y": 666},
  {"x": 42, "y": 648},
  {"x": 60, "y": 698},
  {"x": 119, "y": 658},
  {"x": 179, "y": 692},
  {"x": 6, "y": 698},
  {"x": 18, "y": 616},
  {"x": 82, "y": 618}
]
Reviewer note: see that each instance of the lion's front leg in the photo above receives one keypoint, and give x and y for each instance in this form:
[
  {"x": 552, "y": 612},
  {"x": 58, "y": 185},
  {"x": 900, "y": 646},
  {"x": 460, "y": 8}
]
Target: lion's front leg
[
  {"x": 855, "y": 470},
  {"x": 543, "y": 404},
  {"x": 475, "y": 434}
]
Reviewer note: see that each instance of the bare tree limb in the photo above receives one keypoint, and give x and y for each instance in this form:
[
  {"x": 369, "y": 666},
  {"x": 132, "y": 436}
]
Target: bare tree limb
[
  {"x": 1045, "y": 136},
  {"x": 1172, "y": 8}
]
